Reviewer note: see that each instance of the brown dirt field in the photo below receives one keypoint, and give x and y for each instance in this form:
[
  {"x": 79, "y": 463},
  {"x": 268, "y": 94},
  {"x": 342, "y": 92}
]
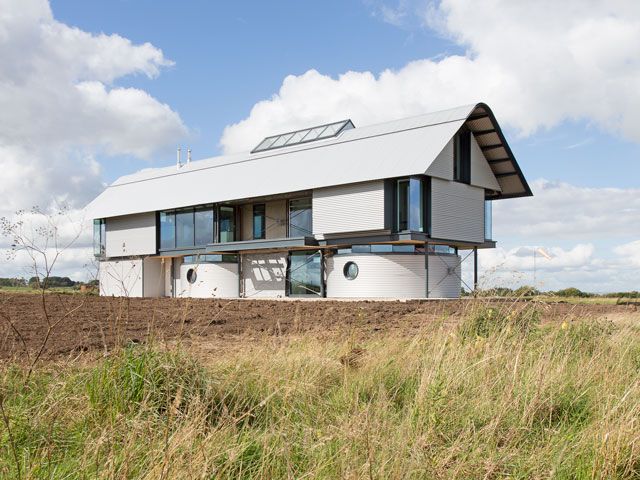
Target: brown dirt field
[{"x": 95, "y": 324}]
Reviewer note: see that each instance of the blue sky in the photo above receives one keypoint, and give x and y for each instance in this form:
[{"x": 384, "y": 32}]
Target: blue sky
[
  {"x": 94, "y": 90},
  {"x": 230, "y": 55}
]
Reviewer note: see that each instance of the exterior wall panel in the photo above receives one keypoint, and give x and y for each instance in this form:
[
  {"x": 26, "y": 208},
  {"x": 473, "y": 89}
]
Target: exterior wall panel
[
  {"x": 349, "y": 208},
  {"x": 153, "y": 277},
  {"x": 444, "y": 276},
  {"x": 379, "y": 276},
  {"x": 120, "y": 278},
  {"x": 277, "y": 219},
  {"x": 442, "y": 166},
  {"x": 131, "y": 235},
  {"x": 457, "y": 211},
  {"x": 481, "y": 174},
  {"x": 213, "y": 280},
  {"x": 264, "y": 275}
]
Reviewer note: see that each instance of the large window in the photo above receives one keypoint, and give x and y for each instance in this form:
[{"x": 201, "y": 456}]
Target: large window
[
  {"x": 462, "y": 156},
  {"x": 259, "y": 217},
  {"x": 167, "y": 230},
  {"x": 99, "y": 237},
  {"x": 305, "y": 273},
  {"x": 204, "y": 225},
  {"x": 409, "y": 205},
  {"x": 227, "y": 224},
  {"x": 300, "y": 218},
  {"x": 488, "y": 227},
  {"x": 184, "y": 228}
]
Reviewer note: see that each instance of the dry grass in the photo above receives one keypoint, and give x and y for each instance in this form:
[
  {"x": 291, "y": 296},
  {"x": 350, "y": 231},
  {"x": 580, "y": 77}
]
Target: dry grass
[{"x": 495, "y": 396}]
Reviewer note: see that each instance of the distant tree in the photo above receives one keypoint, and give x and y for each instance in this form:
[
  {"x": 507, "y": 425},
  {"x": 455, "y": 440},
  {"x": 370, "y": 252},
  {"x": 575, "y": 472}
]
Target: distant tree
[
  {"x": 50, "y": 282},
  {"x": 572, "y": 292},
  {"x": 13, "y": 282},
  {"x": 526, "y": 291}
]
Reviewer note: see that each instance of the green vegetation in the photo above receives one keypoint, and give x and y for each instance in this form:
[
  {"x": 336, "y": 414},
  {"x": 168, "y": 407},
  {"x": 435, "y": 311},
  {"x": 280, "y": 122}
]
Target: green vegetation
[{"x": 496, "y": 396}]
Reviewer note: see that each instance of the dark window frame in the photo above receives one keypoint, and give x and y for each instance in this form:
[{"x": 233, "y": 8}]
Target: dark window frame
[
  {"x": 100, "y": 249},
  {"x": 462, "y": 156},
  {"x": 259, "y": 211},
  {"x": 289, "y": 202}
]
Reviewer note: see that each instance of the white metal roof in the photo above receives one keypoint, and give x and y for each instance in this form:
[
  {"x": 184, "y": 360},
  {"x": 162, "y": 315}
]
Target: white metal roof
[{"x": 392, "y": 149}]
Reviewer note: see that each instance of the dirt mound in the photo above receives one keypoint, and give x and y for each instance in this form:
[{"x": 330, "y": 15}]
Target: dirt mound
[{"x": 97, "y": 323}]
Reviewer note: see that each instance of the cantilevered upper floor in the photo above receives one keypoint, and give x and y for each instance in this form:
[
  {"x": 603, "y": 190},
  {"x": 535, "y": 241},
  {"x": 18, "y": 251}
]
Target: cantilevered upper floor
[{"x": 429, "y": 178}]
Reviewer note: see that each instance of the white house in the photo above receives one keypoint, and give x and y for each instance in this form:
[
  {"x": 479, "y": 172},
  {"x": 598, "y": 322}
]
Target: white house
[{"x": 328, "y": 211}]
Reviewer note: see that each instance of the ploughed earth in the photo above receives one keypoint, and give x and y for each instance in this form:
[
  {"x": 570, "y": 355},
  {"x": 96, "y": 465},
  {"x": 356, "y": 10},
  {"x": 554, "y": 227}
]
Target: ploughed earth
[{"x": 85, "y": 323}]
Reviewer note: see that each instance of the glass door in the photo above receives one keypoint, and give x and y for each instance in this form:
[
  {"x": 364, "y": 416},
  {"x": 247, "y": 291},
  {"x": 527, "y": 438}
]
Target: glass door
[{"x": 305, "y": 274}]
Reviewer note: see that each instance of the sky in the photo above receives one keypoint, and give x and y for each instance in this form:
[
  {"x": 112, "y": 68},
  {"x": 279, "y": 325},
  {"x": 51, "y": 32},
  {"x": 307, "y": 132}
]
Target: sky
[{"x": 94, "y": 90}]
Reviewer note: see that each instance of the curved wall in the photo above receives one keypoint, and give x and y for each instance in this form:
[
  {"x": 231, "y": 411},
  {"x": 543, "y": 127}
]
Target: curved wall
[
  {"x": 213, "y": 280},
  {"x": 393, "y": 276}
]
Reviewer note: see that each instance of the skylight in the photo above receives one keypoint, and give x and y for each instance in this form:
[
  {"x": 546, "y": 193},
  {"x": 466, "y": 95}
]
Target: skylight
[{"x": 303, "y": 136}]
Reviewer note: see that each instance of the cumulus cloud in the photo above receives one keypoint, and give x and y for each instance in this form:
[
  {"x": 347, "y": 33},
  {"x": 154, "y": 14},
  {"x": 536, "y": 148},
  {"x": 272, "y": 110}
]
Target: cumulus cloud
[
  {"x": 61, "y": 109},
  {"x": 534, "y": 68},
  {"x": 559, "y": 210},
  {"x": 629, "y": 252}
]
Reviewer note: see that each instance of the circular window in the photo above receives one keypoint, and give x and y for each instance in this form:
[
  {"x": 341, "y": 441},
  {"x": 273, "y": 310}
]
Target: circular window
[
  {"x": 350, "y": 270},
  {"x": 191, "y": 275}
]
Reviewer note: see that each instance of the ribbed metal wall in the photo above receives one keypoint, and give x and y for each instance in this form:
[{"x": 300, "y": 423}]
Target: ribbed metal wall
[
  {"x": 131, "y": 235},
  {"x": 481, "y": 174},
  {"x": 444, "y": 276},
  {"x": 457, "y": 211},
  {"x": 379, "y": 276},
  {"x": 120, "y": 278},
  {"x": 264, "y": 275},
  {"x": 349, "y": 208},
  {"x": 214, "y": 280},
  {"x": 393, "y": 276},
  {"x": 442, "y": 166}
]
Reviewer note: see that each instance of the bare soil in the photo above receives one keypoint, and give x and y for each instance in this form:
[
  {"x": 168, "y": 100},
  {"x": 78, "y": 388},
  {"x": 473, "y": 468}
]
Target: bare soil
[{"x": 95, "y": 324}]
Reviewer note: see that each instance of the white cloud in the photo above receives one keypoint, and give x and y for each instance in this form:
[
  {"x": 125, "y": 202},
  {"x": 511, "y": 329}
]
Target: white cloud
[
  {"x": 535, "y": 68},
  {"x": 60, "y": 108},
  {"x": 559, "y": 210},
  {"x": 630, "y": 252}
]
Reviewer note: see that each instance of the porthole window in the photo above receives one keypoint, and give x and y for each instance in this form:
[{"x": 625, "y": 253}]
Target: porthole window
[
  {"x": 350, "y": 270},
  {"x": 192, "y": 275}
]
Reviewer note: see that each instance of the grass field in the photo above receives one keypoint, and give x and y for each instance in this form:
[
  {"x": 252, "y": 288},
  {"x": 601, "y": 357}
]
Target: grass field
[{"x": 495, "y": 395}]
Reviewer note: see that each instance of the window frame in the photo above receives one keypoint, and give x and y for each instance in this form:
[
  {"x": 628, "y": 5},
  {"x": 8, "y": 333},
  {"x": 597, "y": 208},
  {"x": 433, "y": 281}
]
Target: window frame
[
  {"x": 263, "y": 216},
  {"x": 462, "y": 156},
  {"x": 297, "y": 199}
]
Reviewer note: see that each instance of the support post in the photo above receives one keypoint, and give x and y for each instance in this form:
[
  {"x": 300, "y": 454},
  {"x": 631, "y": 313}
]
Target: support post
[
  {"x": 475, "y": 270},
  {"x": 426, "y": 266}
]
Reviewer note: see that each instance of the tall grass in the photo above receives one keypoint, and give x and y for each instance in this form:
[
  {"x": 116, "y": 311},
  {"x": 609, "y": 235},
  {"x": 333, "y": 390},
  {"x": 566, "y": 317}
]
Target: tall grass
[{"x": 496, "y": 396}]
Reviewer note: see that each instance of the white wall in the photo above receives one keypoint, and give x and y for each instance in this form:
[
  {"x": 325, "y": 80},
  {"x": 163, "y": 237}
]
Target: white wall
[
  {"x": 444, "y": 276},
  {"x": 153, "y": 277},
  {"x": 131, "y": 235},
  {"x": 393, "y": 276},
  {"x": 264, "y": 275},
  {"x": 379, "y": 276},
  {"x": 481, "y": 173},
  {"x": 213, "y": 280},
  {"x": 442, "y": 166},
  {"x": 120, "y": 278},
  {"x": 349, "y": 208},
  {"x": 457, "y": 211}
]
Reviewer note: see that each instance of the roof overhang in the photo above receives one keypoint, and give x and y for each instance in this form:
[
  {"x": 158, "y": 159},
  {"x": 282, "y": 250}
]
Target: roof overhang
[{"x": 488, "y": 134}]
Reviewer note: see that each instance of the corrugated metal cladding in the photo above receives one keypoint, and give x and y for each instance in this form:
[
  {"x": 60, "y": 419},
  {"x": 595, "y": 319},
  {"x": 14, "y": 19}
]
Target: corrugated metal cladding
[
  {"x": 457, "y": 211},
  {"x": 131, "y": 235},
  {"x": 213, "y": 280},
  {"x": 481, "y": 173},
  {"x": 393, "y": 276},
  {"x": 442, "y": 166},
  {"x": 349, "y": 208},
  {"x": 379, "y": 276},
  {"x": 121, "y": 278},
  {"x": 264, "y": 275},
  {"x": 444, "y": 276}
]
